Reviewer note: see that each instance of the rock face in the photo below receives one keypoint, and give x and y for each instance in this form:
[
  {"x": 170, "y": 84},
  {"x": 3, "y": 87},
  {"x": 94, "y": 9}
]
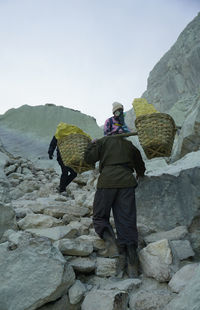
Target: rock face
[
  {"x": 173, "y": 87},
  {"x": 176, "y": 76},
  {"x": 27, "y": 131},
  {"x": 189, "y": 137},
  {"x": 167, "y": 201}
]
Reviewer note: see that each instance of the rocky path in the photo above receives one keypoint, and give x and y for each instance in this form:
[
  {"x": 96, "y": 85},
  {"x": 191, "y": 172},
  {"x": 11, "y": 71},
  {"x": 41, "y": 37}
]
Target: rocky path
[{"x": 50, "y": 255}]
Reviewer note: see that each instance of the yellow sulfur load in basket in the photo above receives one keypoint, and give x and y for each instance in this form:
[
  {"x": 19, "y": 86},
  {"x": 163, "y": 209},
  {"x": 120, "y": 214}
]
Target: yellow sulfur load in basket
[
  {"x": 72, "y": 143},
  {"x": 142, "y": 107},
  {"x": 64, "y": 129},
  {"x": 155, "y": 130}
]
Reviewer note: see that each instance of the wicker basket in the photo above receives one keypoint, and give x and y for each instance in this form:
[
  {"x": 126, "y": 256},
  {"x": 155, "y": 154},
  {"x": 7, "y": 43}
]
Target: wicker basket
[
  {"x": 72, "y": 148},
  {"x": 156, "y": 133}
]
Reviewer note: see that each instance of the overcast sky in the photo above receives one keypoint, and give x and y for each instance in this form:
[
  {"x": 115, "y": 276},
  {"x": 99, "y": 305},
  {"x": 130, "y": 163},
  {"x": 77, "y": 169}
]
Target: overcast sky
[{"x": 84, "y": 54}]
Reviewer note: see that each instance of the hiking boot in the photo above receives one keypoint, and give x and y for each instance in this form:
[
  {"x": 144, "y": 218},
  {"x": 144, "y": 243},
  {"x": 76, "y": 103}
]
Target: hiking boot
[
  {"x": 111, "y": 250},
  {"x": 132, "y": 261},
  {"x": 121, "y": 261}
]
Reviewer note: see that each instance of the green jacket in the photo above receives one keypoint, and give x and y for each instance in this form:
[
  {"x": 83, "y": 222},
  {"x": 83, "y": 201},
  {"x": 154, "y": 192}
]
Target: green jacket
[{"x": 118, "y": 159}]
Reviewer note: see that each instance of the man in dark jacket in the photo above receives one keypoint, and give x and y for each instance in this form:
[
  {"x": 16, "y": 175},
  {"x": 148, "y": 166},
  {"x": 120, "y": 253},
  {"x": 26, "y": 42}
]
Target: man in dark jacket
[
  {"x": 118, "y": 158},
  {"x": 68, "y": 174}
]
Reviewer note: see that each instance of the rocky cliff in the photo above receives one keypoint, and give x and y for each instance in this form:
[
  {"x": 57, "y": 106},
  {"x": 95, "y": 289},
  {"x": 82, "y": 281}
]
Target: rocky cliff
[
  {"x": 175, "y": 78},
  {"x": 27, "y": 131},
  {"x": 174, "y": 88}
]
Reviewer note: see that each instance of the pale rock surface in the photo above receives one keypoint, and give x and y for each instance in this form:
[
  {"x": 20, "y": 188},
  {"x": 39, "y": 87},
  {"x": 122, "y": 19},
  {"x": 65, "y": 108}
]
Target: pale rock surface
[
  {"x": 189, "y": 161},
  {"x": 83, "y": 264},
  {"x": 76, "y": 292},
  {"x": 60, "y": 304},
  {"x": 4, "y": 184},
  {"x": 106, "y": 267},
  {"x": 182, "y": 277},
  {"x": 97, "y": 242},
  {"x": 176, "y": 76},
  {"x": 81, "y": 229},
  {"x": 14, "y": 237},
  {"x": 124, "y": 285},
  {"x": 156, "y": 259},
  {"x": 75, "y": 247},
  {"x": 54, "y": 233},
  {"x": 181, "y": 108},
  {"x": 38, "y": 221},
  {"x": 189, "y": 137},
  {"x": 109, "y": 300},
  {"x": 7, "y": 218},
  {"x": 189, "y": 297},
  {"x": 183, "y": 249},
  {"x": 149, "y": 300},
  {"x": 179, "y": 232},
  {"x": 167, "y": 196},
  {"x": 33, "y": 266}
]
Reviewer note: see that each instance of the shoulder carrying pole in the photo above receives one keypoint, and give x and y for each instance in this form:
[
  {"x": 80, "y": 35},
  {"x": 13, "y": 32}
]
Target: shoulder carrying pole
[{"x": 125, "y": 134}]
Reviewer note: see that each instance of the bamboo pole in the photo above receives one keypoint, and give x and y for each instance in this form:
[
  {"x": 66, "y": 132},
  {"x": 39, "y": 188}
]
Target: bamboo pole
[{"x": 125, "y": 134}]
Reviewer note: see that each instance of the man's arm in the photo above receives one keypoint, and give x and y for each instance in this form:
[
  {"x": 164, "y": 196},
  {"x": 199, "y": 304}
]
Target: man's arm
[
  {"x": 52, "y": 147},
  {"x": 92, "y": 152},
  {"x": 139, "y": 163}
]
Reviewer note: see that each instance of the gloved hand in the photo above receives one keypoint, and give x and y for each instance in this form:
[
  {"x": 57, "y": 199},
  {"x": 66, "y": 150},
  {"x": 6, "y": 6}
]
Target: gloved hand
[{"x": 50, "y": 156}]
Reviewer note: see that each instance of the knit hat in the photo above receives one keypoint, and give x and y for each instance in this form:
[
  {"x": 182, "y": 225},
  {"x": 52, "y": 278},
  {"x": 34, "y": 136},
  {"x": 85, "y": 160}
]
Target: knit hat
[{"x": 116, "y": 106}]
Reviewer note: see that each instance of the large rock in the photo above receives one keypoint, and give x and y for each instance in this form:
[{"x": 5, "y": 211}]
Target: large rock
[
  {"x": 149, "y": 300},
  {"x": 168, "y": 200},
  {"x": 176, "y": 76},
  {"x": 109, "y": 300},
  {"x": 156, "y": 260},
  {"x": 38, "y": 221},
  {"x": 7, "y": 218},
  {"x": 54, "y": 233},
  {"x": 177, "y": 233},
  {"x": 75, "y": 247},
  {"x": 189, "y": 137},
  {"x": 182, "y": 277},
  {"x": 183, "y": 249},
  {"x": 83, "y": 264},
  {"x": 4, "y": 184},
  {"x": 189, "y": 297},
  {"x": 106, "y": 267},
  {"x": 76, "y": 292},
  {"x": 32, "y": 274}
]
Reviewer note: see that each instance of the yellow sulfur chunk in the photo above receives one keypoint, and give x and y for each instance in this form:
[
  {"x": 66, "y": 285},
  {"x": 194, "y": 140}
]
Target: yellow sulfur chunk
[
  {"x": 142, "y": 107},
  {"x": 64, "y": 129}
]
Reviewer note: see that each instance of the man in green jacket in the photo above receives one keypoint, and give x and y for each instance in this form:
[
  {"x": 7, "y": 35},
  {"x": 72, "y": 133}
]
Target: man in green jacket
[{"x": 118, "y": 158}]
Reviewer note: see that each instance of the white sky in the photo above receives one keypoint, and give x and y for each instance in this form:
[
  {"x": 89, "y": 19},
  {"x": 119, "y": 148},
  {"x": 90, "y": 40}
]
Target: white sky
[{"x": 84, "y": 54}]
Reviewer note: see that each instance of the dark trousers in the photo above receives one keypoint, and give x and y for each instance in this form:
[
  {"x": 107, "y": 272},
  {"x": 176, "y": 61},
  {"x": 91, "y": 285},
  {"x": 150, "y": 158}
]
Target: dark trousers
[
  {"x": 67, "y": 176},
  {"x": 122, "y": 203}
]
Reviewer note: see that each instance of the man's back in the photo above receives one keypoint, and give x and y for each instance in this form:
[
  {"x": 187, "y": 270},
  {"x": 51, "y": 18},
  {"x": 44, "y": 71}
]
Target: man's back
[{"x": 118, "y": 158}]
